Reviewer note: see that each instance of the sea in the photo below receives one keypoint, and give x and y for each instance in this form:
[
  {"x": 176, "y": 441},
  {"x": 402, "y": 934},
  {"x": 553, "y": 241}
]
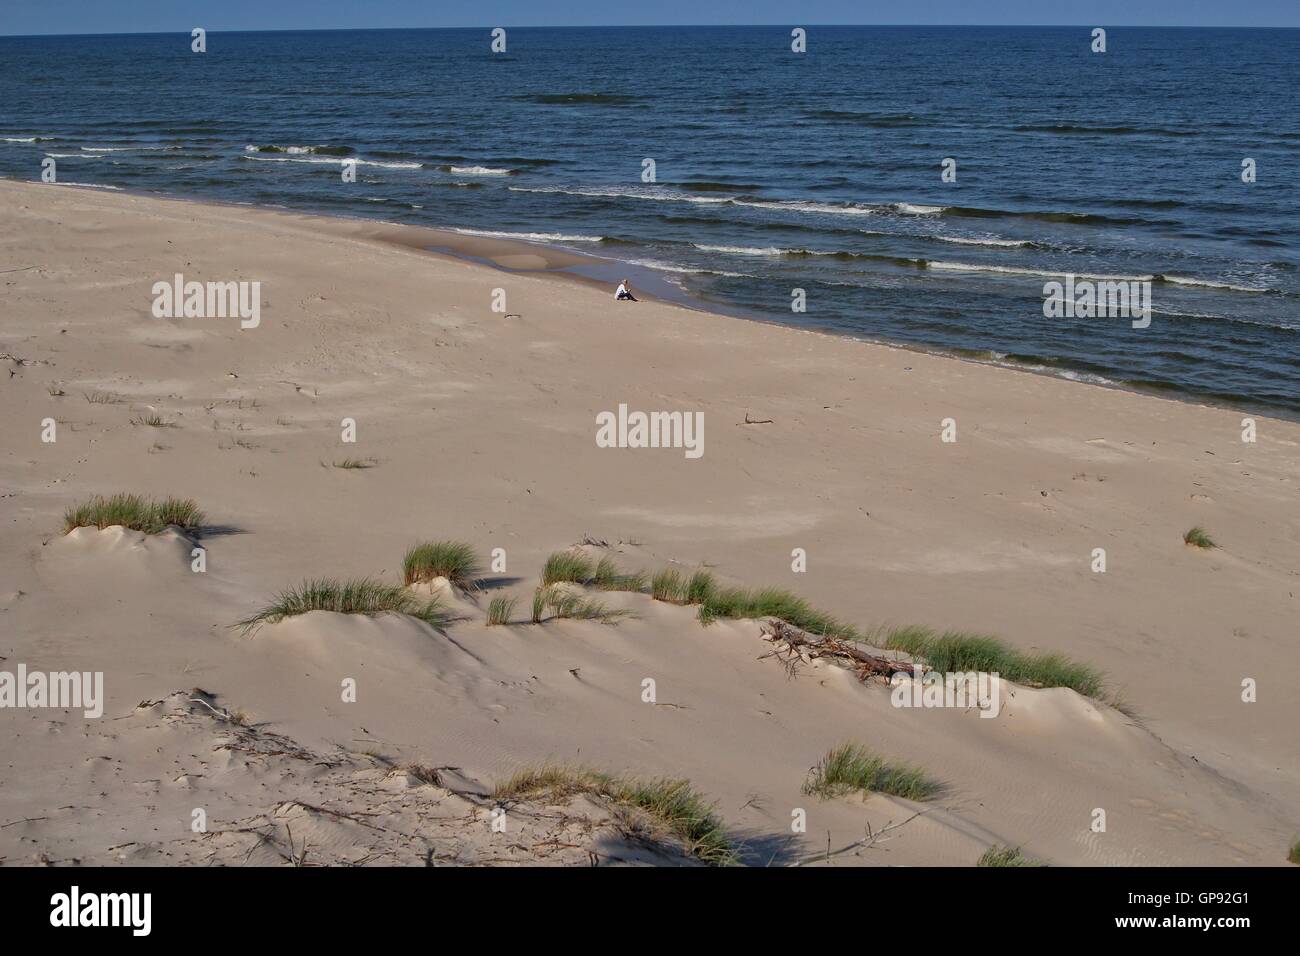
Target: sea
[{"x": 921, "y": 186}]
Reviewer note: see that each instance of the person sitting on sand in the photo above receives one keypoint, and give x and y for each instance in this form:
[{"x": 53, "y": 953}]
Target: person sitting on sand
[{"x": 624, "y": 292}]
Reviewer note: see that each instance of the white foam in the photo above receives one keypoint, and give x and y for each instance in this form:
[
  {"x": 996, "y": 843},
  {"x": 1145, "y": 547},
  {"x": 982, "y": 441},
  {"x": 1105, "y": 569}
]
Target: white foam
[
  {"x": 532, "y": 236},
  {"x": 741, "y": 250},
  {"x": 333, "y": 161},
  {"x": 89, "y": 186},
  {"x": 665, "y": 267},
  {"x": 478, "y": 171},
  {"x": 964, "y": 241},
  {"x": 129, "y": 149},
  {"x": 1210, "y": 284},
  {"x": 1039, "y": 273}
]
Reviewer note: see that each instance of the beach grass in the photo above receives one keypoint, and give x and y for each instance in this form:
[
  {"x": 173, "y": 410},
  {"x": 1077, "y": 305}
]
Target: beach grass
[
  {"x": 1198, "y": 537},
  {"x": 700, "y": 587},
  {"x": 672, "y": 804},
  {"x": 737, "y": 603},
  {"x": 1294, "y": 855},
  {"x": 153, "y": 421},
  {"x": 500, "y": 608},
  {"x": 997, "y": 855},
  {"x": 152, "y": 516},
  {"x": 453, "y": 560},
  {"x": 850, "y": 768},
  {"x": 609, "y": 577},
  {"x": 566, "y": 604},
  {"x": 668, "y": 585},
  {"x": 567, "y": 566},
  {"x": 356, "y": 596},
  {"x": 958, "y": 652}
]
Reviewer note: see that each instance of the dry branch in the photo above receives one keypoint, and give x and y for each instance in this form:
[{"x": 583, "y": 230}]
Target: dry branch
[{"x": 793, "y": 646}]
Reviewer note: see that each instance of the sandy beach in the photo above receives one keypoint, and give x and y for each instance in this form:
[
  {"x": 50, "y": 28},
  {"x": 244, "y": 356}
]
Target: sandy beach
[{"x": 481, "y": 426}]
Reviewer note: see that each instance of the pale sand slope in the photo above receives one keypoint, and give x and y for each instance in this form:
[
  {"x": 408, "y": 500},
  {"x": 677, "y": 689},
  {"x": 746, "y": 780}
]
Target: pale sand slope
[{"x": 483, "y": 428}]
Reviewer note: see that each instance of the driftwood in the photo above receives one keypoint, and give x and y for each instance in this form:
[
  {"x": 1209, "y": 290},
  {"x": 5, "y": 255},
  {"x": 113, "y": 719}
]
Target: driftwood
[{"x": 793, "y": 647}]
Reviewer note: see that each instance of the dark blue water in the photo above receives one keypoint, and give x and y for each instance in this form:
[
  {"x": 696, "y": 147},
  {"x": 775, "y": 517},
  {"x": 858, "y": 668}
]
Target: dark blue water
[{"x": 774, "y": 170}]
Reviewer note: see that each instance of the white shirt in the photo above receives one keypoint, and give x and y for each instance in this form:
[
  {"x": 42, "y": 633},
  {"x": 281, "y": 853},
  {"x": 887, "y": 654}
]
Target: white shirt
[{"x": 622, "y": 289}]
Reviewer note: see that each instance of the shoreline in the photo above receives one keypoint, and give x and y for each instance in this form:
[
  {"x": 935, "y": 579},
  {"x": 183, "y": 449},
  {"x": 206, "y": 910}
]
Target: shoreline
[
  {"x": 482, "y": 427},
  {"x": 559, "y": 261}
]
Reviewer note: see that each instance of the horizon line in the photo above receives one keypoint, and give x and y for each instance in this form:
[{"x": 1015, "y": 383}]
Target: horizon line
[{"x": 667, "y": 26}]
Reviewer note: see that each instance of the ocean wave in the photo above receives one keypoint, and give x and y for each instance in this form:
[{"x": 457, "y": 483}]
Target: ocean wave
[
  {"x": 859, "y": 118},
  {"x": 580, "y": 99},
  {"x": 74, "y": 156},
  {"x": 1073, "y": 129},
  {"x": 129, "y": 149},
  {"x": 88, "y": 185},
  {"x": 296, "y": 150},
  {"x": 331, "y": 161},
  {"x": 775, "y": 251},
  {"x": 685, "y": 270},
  {"x": 1058, "y": 216},
  {"x": 620, "y": 194},
  {"x": 1156, "y": 277},
  {"x": 708, "y": 186},
  {"x": 944, "y": 266},
  {"x": 913, "y": 209},
  {"x": 1207, "y": 283},
  {"x": 532, "y": 236},
  {"x": 967, "y": 241},
  {"x": 1238, "y": 320},
  {"x": 477, "y": 170},
  {"x": 805, "y": 206},
  {"x": 26, "y": 139},
  {"x": 799, "y": 206},
  {"x": 741, "y": 250}
]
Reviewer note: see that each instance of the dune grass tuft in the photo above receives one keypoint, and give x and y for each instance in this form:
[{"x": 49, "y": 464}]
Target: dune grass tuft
[
  {"x": 772, "y": 602},
  {"x": 957, "y": 652},
  {"x": 1294, "y": 855},
  {"x": 1199, "y": 538},
  {"x": 153, "y": 421},
  {"x": 357, "y": 596},
  {"x": 152, "y": 516},
  {"x": 668, "y": 585},
  {"x": 567, "y": 566},
  {"x": 997, "y": 855},
  {"x": 609, "y": 577},
  {"x": 850, "y": 768},
  {"x": 700, "y": 587},
  {"x": 500, "y": 608},
  {"x": 566, "y": 604},
  {"x": 672, "y": 804},
  {"x": 453, "y": 560}
]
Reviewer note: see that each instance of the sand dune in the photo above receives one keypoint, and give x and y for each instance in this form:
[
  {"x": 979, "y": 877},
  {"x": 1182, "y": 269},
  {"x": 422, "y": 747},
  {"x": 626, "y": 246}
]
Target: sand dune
[{"x": 479, "y": 427}]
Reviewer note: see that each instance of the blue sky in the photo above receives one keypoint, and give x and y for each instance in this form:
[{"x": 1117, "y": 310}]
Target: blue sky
[{"x": 21, "y": 17}]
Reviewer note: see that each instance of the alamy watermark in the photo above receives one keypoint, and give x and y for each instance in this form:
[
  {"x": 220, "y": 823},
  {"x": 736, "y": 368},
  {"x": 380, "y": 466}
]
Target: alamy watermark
[
  {"x": 208, "y": 300},
  {"x": 960, "y": 690},
  {"x": 75, "y": 908},
  {"x": 55, "y": 689},
  {"x": 626, "y": 429},
  {"x": 1101, "y": 298}
]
